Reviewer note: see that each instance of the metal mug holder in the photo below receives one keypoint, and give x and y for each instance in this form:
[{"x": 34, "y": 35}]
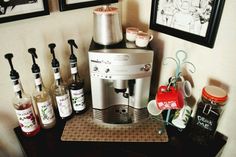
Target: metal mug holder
[{"x": 180, "y": 61}]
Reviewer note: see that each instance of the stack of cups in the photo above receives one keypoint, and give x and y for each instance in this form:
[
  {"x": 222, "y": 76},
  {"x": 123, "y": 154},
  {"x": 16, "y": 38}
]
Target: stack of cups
[{"x": 140, "y": 38}]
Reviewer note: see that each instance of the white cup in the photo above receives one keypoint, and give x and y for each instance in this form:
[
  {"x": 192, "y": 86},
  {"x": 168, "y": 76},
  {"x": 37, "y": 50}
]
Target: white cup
[
  {"x": 153, "y": 109},
  {"x": 142, "y": 39},
  {"x": 181, "y": 117},
  {"x": 131, "y": 33},
  {"x": 185, "y": 87}
]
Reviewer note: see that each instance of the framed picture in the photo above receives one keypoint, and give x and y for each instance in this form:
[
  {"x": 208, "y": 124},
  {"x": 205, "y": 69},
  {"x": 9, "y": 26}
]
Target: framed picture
[
  {"x": 193, "y": 20},
  {"x": 76, "y": 4},
  {"x": 11, "y": 10}
]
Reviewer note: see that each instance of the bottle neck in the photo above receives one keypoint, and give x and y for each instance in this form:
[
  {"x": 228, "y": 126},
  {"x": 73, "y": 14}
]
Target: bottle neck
[
  {"x": 58, "y": 81},
  {"x": 57, "y": 76},
  {"x": 38, "y": 82},
  {"x": 74, "y": 72},
  {"x": 19, "y": 92}
]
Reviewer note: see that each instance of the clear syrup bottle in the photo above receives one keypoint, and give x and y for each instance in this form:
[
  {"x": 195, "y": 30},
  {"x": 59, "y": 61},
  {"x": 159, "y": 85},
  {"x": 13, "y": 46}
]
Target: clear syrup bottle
[
  {"x": 59, "y": 89},
  {"x": 42, "y": 97},
  {"x": 75, "y": 84},
  {"x": 23, "y": 104}
]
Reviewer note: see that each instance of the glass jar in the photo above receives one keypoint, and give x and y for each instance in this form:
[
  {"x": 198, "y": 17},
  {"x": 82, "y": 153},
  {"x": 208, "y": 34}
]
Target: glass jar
[{"x": 209, "y": 109}]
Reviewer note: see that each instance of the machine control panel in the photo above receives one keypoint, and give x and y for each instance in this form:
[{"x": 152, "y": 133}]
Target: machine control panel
[{"x": 120, "y": 65}]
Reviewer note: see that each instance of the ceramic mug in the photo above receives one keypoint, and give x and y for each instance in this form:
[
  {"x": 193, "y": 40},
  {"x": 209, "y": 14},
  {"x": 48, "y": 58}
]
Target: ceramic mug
[
  {"x": 143, "y": 38},
  {"x": 153, "y": 109},
  {"x": 185, "y": 87},
  {"x": 181, "y": 117},
  {"x": 131, "y": 33},
  {"x": 168, "y": 97}
]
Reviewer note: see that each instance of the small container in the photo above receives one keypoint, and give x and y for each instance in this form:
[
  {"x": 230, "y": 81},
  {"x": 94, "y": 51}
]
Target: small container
[
  {"x": 107, "y": 29},
  {"x": 209, "y": 109}
]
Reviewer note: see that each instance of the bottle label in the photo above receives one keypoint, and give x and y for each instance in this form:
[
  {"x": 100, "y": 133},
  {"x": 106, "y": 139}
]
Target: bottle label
[
  {"x": 46, "y": 112},
  {"x": 27, "y": 119},
  {"x": 64, "y": 105},
  {"x": 38, "y": 81},
  {"x": 77, "y": 97},
  {"x": 16, "y": 85},
  {"x": 17, "y": 88},
  {"x": 57, "y": 76},
  {"x": 73, "y": 70},
  {"x": 56, "y": 72}
]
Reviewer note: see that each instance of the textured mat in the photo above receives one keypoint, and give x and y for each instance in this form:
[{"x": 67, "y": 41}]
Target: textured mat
[{"x": 84, "y": 128}]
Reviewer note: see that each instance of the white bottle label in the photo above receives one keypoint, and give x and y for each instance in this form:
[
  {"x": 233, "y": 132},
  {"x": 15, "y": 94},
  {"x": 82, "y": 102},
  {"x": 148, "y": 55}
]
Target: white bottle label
[
  {"x": 46, "y": 112},
  {"x": 38, "y": 81},
  {"x": 77, "y": 97},
  {"x": 27, "y": 120},
  {"x": 16, "y": 88},
  {"x": 73, "y": 70},
  {"x": 64, "y": 105},
  {"x": 57, "y": 75}
]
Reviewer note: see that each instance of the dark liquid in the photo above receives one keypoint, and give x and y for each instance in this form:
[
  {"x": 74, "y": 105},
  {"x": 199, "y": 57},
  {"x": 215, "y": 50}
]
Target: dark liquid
[{"x": 76, "y": 86}]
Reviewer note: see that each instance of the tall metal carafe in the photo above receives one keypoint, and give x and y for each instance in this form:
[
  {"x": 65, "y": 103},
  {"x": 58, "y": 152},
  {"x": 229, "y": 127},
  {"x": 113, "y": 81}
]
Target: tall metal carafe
[{"x": 107, "y": 26}]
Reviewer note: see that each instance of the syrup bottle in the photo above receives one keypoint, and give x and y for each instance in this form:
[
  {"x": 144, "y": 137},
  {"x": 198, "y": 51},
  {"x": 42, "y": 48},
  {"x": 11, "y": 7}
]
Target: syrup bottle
[
  {"x": 75, "y": 83},
  {"x": 59, "y": 89},
  {"x": 42, "y": 97},
  {"x": 23, "y": 104}
]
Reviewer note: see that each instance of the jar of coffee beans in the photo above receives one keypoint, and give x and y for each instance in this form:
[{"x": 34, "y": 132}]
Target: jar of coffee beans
[{"x": 209, "y": 109}]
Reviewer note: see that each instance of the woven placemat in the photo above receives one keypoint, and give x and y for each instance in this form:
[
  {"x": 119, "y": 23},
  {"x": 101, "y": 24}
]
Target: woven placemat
[{"x": 85, "y": 128}]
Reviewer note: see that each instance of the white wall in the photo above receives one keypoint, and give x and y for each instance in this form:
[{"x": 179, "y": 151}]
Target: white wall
[
  {"x": 16, "y": 37},
  {"x": 213, "y": 66}
]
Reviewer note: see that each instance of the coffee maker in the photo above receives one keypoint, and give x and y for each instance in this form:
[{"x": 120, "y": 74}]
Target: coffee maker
[{"x": 120, "y": 82}]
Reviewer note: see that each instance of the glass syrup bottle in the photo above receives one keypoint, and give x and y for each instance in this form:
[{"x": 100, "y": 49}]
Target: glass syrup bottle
[
  {"x": 59, "y": 89},
  {"x": 75, "y": 84},
  {"x": 23, "y": 104},
  {"x": 42, "y": 97}
]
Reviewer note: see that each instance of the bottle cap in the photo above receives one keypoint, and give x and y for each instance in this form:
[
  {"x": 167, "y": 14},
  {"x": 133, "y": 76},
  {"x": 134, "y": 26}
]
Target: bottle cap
[
  {"x": 214, "y": 93},
  {"x": 13, "y": 73},
  {"x": 72, "y": 44},
  {"x": 35, "y": 68},
  {"x": 55, "y": 62}
]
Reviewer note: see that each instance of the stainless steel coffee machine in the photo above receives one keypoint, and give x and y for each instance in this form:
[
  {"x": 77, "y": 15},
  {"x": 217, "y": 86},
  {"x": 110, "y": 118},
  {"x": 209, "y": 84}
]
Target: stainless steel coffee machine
[{"x": 120, "y": 82}]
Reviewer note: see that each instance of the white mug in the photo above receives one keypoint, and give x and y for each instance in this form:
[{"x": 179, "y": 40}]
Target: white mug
[
  {"x": 142, "y": 39},
  {"x": 131, "y": 33},
  {"x": 185, "y": 87},
  {"x": 153, "y": 109},
  {"x": 181, "y": 117}
]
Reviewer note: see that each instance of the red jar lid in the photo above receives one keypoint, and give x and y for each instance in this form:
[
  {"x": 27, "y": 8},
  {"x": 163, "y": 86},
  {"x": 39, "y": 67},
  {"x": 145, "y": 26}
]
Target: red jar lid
[{"x": 213, "y": 93}]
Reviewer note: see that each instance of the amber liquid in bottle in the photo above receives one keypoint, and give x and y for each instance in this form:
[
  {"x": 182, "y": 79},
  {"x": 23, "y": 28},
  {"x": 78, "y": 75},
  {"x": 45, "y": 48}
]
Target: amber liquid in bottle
[{"x": 44, "y": 105}]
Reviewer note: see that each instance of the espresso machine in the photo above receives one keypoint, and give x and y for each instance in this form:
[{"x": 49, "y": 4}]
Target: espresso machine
[{"x": 120, "y": 82}]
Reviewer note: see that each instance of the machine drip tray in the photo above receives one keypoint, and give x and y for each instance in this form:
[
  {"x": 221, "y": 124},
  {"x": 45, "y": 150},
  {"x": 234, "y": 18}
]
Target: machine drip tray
[
  {"x": 85, "y": 128},
  {"x": 120, "y": 114}
]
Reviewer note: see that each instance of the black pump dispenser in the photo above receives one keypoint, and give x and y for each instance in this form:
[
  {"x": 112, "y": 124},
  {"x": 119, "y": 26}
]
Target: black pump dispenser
[
  {"x": 55, "y": 62},
  {"x": 35, "y": 68},
  {"x": 13, "y": 73},
  {"x": 72, "y": 44}
]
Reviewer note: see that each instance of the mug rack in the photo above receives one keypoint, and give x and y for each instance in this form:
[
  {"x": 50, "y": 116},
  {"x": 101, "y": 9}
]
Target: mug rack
[{"x": 180, "y": 60}]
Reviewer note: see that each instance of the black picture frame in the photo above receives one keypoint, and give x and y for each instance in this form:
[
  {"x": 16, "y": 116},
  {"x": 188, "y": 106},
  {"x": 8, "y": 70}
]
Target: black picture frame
[
  {"x": 64, "y": 5},
  {"x": 188, "y": 24},
  {"x": 19, "y": 9}
]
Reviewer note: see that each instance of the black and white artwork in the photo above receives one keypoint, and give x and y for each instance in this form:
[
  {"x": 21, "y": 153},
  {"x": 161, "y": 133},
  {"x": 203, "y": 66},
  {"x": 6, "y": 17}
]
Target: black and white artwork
[
  {"x": 193, "y": 20},
  {"x": 11, "y": 10},
  {"x": 77, "y": 4},
  {"x": 186, "y": 15}
]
